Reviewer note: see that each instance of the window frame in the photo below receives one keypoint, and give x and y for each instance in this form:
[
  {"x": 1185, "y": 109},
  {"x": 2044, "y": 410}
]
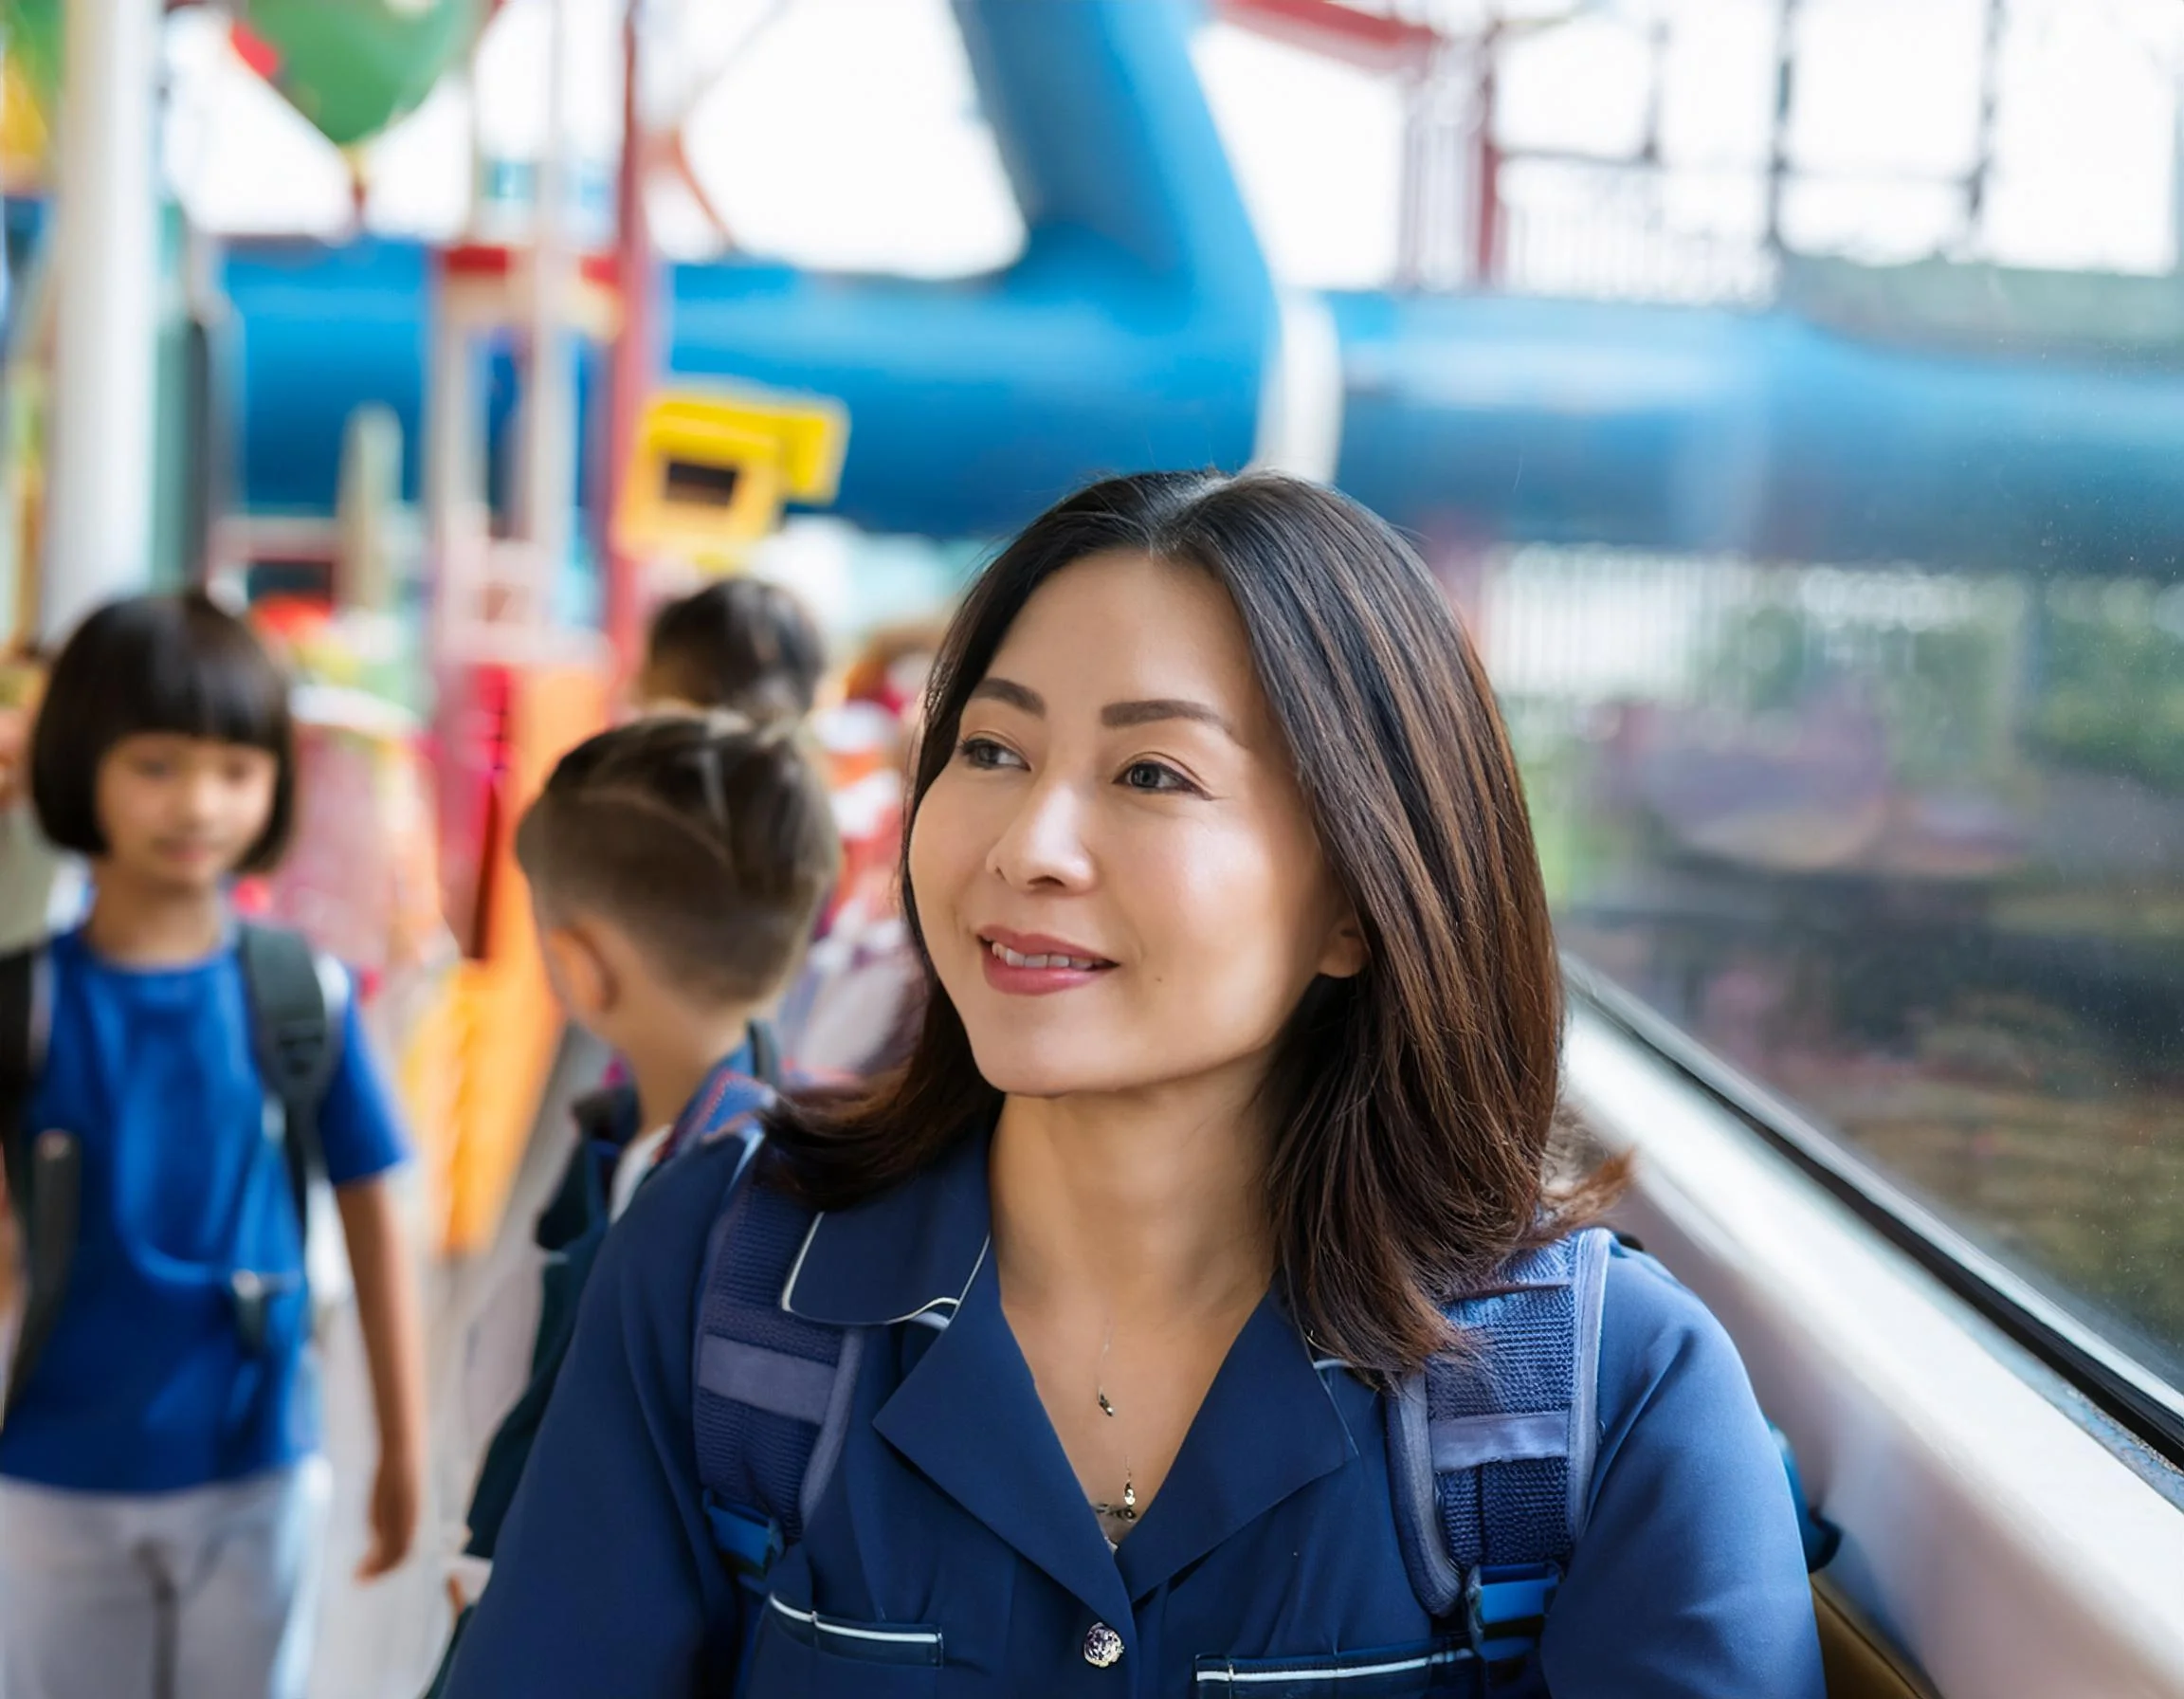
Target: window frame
[{"x": 2128, "y": 1392}]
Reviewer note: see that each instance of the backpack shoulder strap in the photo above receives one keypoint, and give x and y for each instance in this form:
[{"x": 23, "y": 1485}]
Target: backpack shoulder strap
[
  {"x": 771, "y": 1390},
  {"x": 1492, "y": 1448},
  {"x": 26, "y": 1018},
  {"x": 766, "y": 1063},
  {"x": 608, "y": 1116},
  {"x": 298, "y": 999},
  {"x": 43, "y": 1168}
]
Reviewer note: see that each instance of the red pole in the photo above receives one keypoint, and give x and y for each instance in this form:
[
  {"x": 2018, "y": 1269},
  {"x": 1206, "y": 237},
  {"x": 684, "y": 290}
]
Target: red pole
[
  {"x": 1487, "y": 252},
  {"x": 633, "y": 365}
]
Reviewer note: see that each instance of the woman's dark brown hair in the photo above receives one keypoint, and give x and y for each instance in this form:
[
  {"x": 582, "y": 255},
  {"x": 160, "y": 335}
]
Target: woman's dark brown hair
[{"x": 1411, "y": 1105}]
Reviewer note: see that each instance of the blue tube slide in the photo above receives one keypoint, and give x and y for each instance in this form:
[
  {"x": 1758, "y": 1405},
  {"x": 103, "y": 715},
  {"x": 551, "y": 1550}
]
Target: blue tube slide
[
  {"x": 1133, "y": 331},
  {"x": 1694, "y": 429},
  {"x": 1139, "y": 328}
]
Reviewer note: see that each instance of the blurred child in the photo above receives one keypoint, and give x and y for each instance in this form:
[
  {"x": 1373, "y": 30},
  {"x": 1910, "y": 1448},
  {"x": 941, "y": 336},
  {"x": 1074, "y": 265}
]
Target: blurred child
[
  {"x": 675, "y": 865},
  {"x": 738, "y": 647},
  {"x": 173, "y": 1081},
  {"x": 738, "y": 644},
  {"x": 39, "y": 890},
  {"x": 855, "y": 1007}
]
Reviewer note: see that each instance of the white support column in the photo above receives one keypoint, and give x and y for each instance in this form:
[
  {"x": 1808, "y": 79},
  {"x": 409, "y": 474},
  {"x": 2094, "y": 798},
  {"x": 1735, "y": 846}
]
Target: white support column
[
  {"x": 106, "y": 255},
  {"x": 547, "y": 475}
]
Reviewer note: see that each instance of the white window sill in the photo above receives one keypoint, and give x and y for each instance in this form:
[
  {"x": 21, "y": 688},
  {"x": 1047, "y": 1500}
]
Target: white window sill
[{"x": 2011, "y": 1553}]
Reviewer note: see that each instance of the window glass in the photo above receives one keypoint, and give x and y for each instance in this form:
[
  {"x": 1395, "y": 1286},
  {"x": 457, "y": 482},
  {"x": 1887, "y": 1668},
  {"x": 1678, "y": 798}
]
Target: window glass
[
  {"x": 1906, "y": 846},
  {"x": 1879, "y": 792}
]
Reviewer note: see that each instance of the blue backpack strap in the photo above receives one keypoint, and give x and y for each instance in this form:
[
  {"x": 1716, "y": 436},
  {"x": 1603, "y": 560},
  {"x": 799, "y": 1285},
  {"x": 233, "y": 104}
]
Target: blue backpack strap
[
  {"x": 772, "y": 1390},
  {"x": 1819, "y": 1537},
  {"x": 1490, "y": 1449}
]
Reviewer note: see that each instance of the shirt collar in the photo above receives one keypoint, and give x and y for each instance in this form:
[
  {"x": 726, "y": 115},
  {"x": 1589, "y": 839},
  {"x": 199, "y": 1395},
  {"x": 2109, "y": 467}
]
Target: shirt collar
[
  {"x": 912, "y": 1251},
  {"x": 968, "y": 1413},
  {"x": 702, "y": 1115}
]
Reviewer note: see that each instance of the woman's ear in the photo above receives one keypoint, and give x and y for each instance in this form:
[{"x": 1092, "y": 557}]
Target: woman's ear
[{"x": 1346, "y": 953}]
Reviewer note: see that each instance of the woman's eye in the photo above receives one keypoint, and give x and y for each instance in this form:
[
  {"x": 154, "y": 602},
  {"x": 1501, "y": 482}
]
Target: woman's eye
[
  {"x": 1154, "y": 775},
  {"x": 985, "y": 753}
]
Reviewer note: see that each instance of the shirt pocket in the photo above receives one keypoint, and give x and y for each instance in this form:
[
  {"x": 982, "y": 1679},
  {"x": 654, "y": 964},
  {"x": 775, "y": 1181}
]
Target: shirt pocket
[
  {"x": 1444, "y": 1666},
  {"x": 808, "y": 1655}
]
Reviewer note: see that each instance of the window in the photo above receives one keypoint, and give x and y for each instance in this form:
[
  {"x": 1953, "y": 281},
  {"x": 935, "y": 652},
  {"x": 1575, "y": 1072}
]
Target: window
[
  {"x": 1885, "y": 804},
  {"x": 1905, "y": 846}
]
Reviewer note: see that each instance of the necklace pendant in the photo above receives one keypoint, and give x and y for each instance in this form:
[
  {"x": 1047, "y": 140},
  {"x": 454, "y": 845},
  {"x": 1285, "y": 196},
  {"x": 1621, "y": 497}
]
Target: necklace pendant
[
  {"x": 1129, "y": 1500},
  {"x": 1106, "y": 1407}
]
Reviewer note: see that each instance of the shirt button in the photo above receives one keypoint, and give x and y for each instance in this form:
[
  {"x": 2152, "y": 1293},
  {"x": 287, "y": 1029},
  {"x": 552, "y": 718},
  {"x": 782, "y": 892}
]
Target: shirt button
[{"x": 1103, "y": 1647}]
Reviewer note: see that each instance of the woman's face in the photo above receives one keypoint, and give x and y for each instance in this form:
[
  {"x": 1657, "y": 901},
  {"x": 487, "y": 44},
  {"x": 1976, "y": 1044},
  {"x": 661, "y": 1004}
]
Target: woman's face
[{"x": 1115, "y": 872}]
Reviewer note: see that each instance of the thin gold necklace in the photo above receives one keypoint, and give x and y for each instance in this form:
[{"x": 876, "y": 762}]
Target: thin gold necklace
[{"x": 1127, "y": 1511}]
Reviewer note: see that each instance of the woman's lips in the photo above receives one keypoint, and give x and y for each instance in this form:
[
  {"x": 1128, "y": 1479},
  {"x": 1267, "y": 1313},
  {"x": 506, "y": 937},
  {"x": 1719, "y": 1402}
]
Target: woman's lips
[{"x": 1033, "y": 964}]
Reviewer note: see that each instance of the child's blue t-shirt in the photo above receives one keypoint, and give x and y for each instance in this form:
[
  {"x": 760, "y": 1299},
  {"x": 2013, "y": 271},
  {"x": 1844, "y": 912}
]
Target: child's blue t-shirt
[{"x": 147, "y": 1384}]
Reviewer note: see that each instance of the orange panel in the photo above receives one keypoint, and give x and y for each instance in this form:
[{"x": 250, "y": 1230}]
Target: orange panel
[{"x": 507, "y": 1019}]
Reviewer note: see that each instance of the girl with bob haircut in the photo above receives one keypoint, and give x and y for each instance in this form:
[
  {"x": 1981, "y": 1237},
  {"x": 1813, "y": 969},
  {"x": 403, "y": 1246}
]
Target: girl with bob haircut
[
  {"x": 162, "y": 1496},
  {"x": 1171, "y": 1323}
]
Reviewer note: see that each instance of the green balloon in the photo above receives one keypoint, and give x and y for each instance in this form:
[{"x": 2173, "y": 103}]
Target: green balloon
[
  {"x": 350, "y": 66},
  {"x": 354, "y": 66},
  {"x": 33, "y": 31}
]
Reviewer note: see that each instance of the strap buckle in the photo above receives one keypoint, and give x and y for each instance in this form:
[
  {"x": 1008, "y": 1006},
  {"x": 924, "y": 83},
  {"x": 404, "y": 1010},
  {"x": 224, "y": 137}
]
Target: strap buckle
[
  {"x": 1506, "y": 1608},
  {"x": 752, "y": 1544}
]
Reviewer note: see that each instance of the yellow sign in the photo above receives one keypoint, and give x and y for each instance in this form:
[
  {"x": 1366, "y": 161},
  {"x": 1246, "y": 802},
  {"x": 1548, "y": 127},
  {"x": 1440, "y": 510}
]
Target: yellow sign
[
  {"x": 22, "y": 129},
  {"x": 711, "y": 470}
]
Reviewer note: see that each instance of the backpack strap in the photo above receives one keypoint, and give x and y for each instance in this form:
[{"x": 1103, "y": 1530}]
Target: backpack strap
[
  {"x": 608, "y": 1123},
  {"x": 43, "y": 1168},
  {"x": 1820, "y": 1538},
  {"x": 612, "y": 1115},
  {"x": 766, "y": 1064},
  {"x": 1490, "y": 1448},
  {"x": 298, "y": 1000},
  {"x": 26, "y": 1020},
  {"x": 771, "y": 1390}
]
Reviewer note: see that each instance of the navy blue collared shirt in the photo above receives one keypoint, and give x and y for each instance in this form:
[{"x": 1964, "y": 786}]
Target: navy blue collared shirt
[{"x": 1268, "y": 1565}]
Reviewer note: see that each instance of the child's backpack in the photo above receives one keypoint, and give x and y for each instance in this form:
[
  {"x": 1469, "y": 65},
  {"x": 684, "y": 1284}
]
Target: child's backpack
[
  {"x": 1489, "y": 1455},
  {"x": 296, "y": 998},
  {"x": 571, "y": 1231}
]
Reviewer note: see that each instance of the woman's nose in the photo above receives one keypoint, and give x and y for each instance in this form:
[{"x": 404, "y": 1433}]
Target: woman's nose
[{"x": 1044, "y": 840}]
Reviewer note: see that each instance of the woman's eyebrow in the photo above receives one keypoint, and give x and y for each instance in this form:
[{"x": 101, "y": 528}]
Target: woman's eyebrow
[
  {"x": 1010, "y": 692},
  {"x": 1115, "y": 715},
  {"x": 1167, "y": 708}
]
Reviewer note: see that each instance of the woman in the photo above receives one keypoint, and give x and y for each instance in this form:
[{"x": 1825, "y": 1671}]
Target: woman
[{"x": 1238, "y": 1066}]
